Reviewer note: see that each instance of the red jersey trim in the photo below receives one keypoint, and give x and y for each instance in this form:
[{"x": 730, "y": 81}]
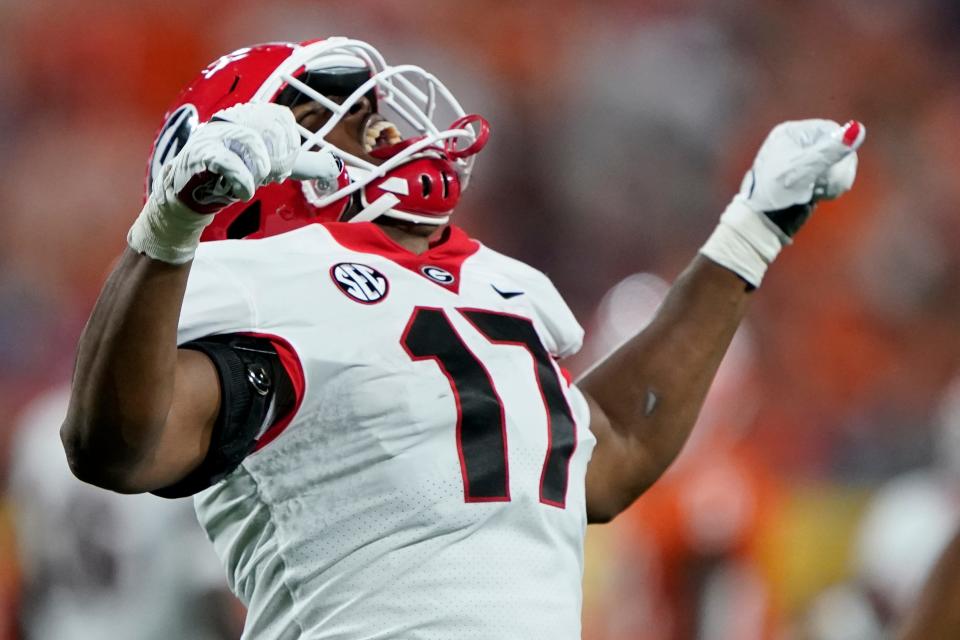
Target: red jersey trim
[
  {"x": 291, "y": 364},
  {"x": 448, "y": 252}
]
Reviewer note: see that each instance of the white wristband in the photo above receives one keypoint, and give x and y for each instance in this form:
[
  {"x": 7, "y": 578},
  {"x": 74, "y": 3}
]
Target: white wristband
[
  {"x": 169, "y": 232},
  {"x": 166, "y": 229},
  {"x": 744, "y": 242}
]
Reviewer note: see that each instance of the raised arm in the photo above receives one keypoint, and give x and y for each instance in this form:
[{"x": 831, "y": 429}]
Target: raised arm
[
  {"x": 141, "y": 410},
  {"x": 646, "y": 396}
]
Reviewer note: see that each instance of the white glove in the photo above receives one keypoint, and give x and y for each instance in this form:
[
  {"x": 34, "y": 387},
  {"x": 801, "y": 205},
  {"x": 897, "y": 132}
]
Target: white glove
[
  {"x": 277, "y": 128},
  {"x": 224, "y": 161},
  {"x": 799, "y": 163},
  {"x": 793, "y": 158},
  {"x": 838, "y": 179}
]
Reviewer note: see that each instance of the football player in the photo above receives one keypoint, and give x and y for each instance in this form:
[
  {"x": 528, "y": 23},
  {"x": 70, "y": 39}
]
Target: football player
[{"x": 368, "y": 403}]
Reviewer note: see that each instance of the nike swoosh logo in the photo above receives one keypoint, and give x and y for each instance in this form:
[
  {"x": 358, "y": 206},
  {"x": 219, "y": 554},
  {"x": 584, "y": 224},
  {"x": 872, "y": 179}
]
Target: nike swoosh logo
[{"x": 507, "y": 294}]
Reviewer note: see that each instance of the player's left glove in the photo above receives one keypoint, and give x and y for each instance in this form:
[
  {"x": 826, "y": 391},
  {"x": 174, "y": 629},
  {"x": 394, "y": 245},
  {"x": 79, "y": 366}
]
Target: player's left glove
[{"x": 798, "y": 164}]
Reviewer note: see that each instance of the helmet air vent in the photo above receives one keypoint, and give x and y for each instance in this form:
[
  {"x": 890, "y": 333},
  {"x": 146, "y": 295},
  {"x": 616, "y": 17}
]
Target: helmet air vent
[{"x": 427, "y": 184}]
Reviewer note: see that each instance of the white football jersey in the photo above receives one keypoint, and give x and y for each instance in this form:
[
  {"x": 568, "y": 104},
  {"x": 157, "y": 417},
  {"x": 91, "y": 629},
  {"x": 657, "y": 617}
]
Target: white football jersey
[{"x": 431, "y": 482}]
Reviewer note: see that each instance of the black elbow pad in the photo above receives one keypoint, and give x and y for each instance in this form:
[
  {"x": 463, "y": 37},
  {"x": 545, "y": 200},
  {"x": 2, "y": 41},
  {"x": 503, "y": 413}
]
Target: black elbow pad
[{"x": 254, "y": 388}]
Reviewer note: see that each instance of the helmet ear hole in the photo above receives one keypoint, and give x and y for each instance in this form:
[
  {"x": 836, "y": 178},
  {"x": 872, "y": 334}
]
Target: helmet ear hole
[
  {"x": 245, "y": 224},
  {"x": 427, "y": 184}
]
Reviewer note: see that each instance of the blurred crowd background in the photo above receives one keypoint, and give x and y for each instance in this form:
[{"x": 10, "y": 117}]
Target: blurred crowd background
[{"x": 825, "y": 472}]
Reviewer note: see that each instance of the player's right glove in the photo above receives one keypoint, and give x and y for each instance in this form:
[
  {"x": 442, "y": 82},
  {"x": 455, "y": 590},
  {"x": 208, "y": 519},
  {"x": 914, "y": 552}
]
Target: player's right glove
[
  {"x": 798, "y": 164},
  {"x": 224, "y": 161}
]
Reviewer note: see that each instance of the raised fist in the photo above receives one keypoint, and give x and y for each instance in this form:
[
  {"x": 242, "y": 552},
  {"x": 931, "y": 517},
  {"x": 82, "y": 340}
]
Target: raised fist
[
  {"x": 799, "y": 163},
  {"x": 228, "y": 158},
  {"x": 225, "y": 160}
]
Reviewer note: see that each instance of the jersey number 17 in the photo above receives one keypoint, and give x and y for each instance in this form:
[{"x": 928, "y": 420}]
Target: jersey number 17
[{"x": 481, "y": 426}]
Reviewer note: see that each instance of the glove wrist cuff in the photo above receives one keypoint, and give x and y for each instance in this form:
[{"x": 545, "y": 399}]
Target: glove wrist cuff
[
  {"x": 167, "y": 231},
  {"x": 744, "y": 242}
]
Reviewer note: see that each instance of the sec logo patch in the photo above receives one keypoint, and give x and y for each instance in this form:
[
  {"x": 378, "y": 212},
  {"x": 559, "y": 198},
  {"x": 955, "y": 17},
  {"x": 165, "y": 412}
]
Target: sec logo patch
[{"x": 360, "y": 282}]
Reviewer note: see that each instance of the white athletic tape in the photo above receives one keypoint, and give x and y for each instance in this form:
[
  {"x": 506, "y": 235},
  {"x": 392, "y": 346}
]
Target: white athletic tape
[{"x": 744, "y": 242}]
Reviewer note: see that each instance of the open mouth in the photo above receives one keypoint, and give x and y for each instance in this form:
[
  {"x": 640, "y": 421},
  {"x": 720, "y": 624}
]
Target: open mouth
[{"x": 379, "y": 133}]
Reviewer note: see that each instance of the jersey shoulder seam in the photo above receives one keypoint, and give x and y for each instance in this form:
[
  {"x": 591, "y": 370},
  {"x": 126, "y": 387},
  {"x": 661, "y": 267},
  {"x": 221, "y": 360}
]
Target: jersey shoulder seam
[{"x": 518, "y": 268}]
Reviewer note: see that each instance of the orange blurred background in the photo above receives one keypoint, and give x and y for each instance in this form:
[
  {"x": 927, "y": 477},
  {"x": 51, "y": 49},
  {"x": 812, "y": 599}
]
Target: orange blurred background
[{"x": 620, "y": 131}]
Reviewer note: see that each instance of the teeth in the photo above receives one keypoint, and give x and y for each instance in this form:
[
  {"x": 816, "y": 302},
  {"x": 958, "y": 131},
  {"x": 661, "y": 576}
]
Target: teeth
[{"x": 373, "y": 132}]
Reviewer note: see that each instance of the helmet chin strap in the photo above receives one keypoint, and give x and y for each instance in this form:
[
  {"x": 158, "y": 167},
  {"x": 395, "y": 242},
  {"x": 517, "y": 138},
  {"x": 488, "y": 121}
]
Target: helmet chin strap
[
  {"x": 383, "y": 206},
  {"x": 417, "y": 219},
  {"x": 376, "y": 208}
]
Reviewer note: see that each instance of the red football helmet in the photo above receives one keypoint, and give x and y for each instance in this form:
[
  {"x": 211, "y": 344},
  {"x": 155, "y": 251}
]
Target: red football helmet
[{"x": 422, "y": 173}]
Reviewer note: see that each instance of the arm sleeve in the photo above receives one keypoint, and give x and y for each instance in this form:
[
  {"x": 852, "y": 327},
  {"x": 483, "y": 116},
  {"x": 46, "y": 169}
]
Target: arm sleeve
[{"x": 254, "y": 390}]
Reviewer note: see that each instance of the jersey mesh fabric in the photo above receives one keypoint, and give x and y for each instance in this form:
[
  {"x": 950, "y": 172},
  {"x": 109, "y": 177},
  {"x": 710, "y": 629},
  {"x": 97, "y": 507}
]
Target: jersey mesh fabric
[{"x": 354, "y": 523}]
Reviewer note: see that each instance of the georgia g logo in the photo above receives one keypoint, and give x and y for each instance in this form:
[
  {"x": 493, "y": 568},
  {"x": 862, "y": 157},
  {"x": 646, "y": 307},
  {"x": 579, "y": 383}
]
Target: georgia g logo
[
  {"x": 359, "y": 282},
  {"x": 438, "y": 275},
  {"x": 173, "y": 135}
]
